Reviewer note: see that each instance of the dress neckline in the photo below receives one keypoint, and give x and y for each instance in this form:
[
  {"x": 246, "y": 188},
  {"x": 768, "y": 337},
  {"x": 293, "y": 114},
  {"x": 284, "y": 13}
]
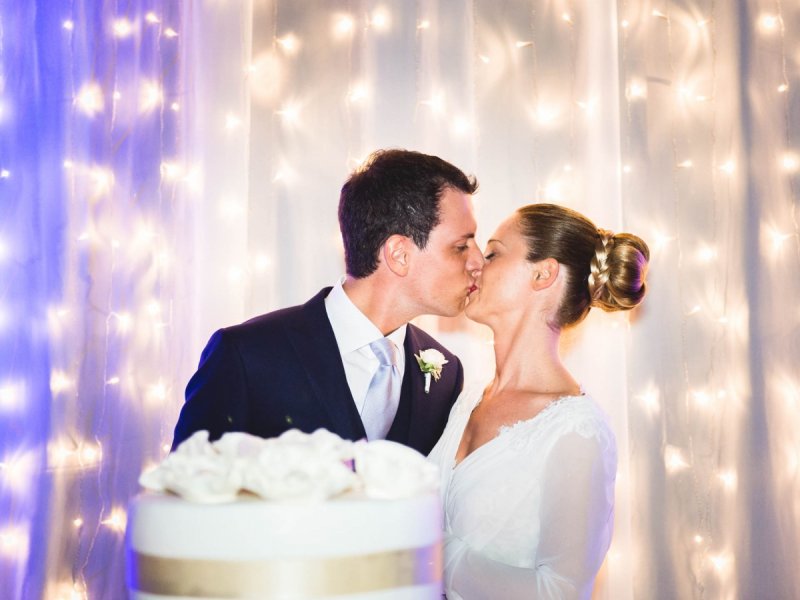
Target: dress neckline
[{"x": 504, "y": 429}]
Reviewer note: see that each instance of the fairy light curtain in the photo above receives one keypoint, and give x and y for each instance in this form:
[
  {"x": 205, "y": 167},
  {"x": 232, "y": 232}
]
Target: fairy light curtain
[{"x": 167, "y": 168}]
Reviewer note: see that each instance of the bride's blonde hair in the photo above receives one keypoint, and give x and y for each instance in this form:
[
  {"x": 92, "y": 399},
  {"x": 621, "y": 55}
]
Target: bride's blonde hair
[{"x": 602, "y": 268}]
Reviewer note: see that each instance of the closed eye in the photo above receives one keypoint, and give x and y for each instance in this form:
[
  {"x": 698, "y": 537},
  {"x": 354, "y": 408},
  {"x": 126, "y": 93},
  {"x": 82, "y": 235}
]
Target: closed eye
[{"x": 489, "y": 256}]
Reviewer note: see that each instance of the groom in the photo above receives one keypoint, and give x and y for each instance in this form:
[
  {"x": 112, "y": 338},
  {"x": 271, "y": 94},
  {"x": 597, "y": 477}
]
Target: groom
[{"x": 345, "y": 360}]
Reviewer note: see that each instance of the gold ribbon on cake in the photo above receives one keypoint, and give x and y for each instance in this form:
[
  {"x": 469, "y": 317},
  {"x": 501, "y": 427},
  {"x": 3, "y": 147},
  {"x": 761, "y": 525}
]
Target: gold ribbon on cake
[{"x": 285, "y": 578}]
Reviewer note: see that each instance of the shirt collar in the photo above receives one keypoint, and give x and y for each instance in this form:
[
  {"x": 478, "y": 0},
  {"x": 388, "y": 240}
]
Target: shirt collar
[{"x": 351, "y": 327}]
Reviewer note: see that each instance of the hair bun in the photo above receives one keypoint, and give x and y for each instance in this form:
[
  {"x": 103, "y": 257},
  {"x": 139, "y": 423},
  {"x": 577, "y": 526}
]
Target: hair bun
[{"x": 617, "y": 271}]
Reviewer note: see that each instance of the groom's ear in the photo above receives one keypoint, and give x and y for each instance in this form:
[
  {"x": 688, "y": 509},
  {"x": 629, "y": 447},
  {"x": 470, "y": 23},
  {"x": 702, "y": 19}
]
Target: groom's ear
[{"x": 396, "y": 254}]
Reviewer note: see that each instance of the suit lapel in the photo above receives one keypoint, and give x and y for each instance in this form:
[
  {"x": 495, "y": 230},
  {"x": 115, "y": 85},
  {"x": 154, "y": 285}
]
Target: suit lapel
[
  {"x": 412, "y": 410},
  {"x": 315, "y": 344}
]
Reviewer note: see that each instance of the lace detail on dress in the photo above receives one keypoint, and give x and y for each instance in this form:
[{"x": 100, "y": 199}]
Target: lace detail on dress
[{"x": 578, "y": 414}]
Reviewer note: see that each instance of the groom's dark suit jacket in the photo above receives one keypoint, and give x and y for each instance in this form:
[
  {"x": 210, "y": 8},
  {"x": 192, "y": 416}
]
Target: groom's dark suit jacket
[{"x": 283, "y": 370}]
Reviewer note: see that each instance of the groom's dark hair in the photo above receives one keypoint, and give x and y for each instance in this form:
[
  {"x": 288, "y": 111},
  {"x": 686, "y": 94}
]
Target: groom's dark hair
[{"x": 393, "y": 192}]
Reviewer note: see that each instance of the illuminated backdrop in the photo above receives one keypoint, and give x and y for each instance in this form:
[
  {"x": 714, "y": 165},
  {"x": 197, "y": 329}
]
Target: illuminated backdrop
[{"x": 169, "y": 167}]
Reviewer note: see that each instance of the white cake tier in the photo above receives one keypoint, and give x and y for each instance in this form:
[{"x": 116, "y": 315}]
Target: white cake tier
[{"x": 346, "y": 548}]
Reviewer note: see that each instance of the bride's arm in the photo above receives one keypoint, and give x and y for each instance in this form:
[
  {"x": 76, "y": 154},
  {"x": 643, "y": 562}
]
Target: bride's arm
[{"x": 576, "y": 515}]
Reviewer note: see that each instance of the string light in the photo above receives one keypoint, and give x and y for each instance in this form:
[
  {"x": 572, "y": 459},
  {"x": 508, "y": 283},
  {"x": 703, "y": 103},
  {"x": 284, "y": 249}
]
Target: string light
[
  {"x": 90, "y": 99},
  {"x": 674, "y": 460},
  {"x": 123, "y": 28},
  {"x": 116, "y": 520},
  {"x": 152, "y": 18},
  {"x": 650, "y": 401},
  {"x": 768, "y": 23},
  {"x": 790, "y": 162},
  {"x": 170, "y": 32},
  {"x": 728, "y": 167},
  {"x": 290, "y": 114},
  {"x": 5, "y": 173},
  {"x": 232, "y": 122},
  {"x": 425, "y": 24},
  {"x": 12, "y": 396},
  {"x": 343, "y": 26},
  {"x": 150, "y": 96},
  {"x": 68, "y": 25},
  {"x": 436, "y": 103},
  {"x": 380, "y": 19},
  {"x": 59, "y": 382},
  {"x": 686, "y": 164},
  {"x": 289, "y": 43},
  {"x": 358, "y": 92}
]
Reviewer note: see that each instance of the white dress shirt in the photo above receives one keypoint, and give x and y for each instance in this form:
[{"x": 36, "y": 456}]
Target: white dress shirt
[{"x": 354, "y": 333}]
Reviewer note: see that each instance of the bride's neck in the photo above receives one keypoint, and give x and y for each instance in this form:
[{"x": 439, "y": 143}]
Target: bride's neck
[{"x": 527, "y": 358}]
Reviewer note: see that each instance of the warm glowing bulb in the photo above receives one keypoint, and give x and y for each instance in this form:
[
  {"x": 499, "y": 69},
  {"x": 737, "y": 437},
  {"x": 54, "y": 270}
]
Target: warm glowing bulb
[
  {"x": 102, "y": 180},
  {"x": 523, "y": 44},
  {"x": 90, "y": 455},
  {"x": 77, "y": 522},
  {"x": 289, "y": 43},
  {"x": 171, "y": 171},
  {"x": 175, "y": 107},
  {"x": 5, "y": 173},
  {"x": 627, "y": 169},
  {"x": 768, "y": 23},
  {"x": 436, "y": 103},
  {"x": 659, "y": 14},
  {"x": 290, "y": 114},
  {"x": 546, "y": 115},
  {"x": 484, "y": 59},
  {"x": 90, "y": 99},
  {"x": 68, "y": 25},
  {"x": 721, "y": 562},
  {"x": 113, "y": 380},
  {"x": 728, "y": 478},
  {"x": 702, "y": 23},
  {"x": 650, "y": 400},
  {"x": 566, "y": 17},
  {"x": 706, "y": 253},
  {"x": 702, "y": 399},
  {"x": 380, "y": 19},
  {"x": 124, "y": 321},
  {"x": 637, "y": 90},
  {"x": 343, "y": 25},
  {"x": 698, "y": 539},
  {"x": 674, "y": 460},
  {"x": 358, "y": 92},
  {"x": 123, "y": 28},
  {"x": 783, "y": 87},
  {"x": 261, "y": 263},
  {"x": 625, "y": 23},
  {"x": 790, "y": 162},
  {"x": 424, "y": 24},
  {"x": 232, "y": 122},
  {"x": 728, "y": 166},
  {"x": 116, "y": 520},
  {"x": 59, "y": 381},
  {"x": 170, "y": 32},
  {"x": 152, "y": 18},
  {"x": 686, "y": 164},
  {"x": 150, "y": 96},
  {"x": 461, "y": 125}
]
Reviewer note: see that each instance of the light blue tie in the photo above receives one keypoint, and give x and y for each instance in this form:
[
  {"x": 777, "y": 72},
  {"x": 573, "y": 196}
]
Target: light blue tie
[{"x": 380, "y": 405}]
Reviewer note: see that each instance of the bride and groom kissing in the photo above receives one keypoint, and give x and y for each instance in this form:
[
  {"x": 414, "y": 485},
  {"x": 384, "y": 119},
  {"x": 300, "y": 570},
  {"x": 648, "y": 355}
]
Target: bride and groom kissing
[{"x": 528, "y": 461}]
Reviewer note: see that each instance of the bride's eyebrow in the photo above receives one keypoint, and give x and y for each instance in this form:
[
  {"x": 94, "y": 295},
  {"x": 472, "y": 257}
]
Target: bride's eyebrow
[{"x": 496, "y": 241}]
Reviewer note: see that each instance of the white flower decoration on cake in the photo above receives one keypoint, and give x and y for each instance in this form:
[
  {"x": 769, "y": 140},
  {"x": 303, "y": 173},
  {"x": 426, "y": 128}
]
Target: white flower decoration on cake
[
  {"x": 296, "y": 466},
  {"x": 390, "y": 470}
]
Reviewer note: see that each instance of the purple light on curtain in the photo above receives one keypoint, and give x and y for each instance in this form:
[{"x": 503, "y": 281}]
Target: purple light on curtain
[{"x": 89, "y": 115}]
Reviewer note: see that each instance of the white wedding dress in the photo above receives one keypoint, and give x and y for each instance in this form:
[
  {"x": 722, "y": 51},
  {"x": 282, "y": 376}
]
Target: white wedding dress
[{"x": 530, "y": 513}]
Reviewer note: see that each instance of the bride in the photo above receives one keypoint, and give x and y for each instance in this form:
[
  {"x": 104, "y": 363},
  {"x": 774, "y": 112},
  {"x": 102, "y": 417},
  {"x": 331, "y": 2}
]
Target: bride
[{"x": 528, "y": 463}]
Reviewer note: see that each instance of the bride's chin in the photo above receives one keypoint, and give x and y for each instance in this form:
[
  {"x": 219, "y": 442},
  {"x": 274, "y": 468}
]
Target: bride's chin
[{"x": 473, "y": 312}]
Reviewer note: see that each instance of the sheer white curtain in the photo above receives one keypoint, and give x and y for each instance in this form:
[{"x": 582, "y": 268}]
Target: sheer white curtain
[{"x": 170, "y": 168}]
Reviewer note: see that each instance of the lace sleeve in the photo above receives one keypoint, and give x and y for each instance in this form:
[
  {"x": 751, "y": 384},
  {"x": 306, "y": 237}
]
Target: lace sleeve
[{"x": 576, "y": 516}]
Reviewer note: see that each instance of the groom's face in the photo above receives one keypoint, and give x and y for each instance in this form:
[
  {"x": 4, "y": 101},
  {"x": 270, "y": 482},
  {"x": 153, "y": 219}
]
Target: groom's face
[{"x": 443, "y": 271}]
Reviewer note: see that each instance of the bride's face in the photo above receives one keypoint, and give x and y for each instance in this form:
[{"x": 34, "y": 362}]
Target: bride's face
[{"x": 505, "y": 279}]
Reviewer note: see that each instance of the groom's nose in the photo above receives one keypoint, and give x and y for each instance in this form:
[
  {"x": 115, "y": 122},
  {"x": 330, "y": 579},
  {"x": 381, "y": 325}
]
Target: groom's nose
[{"x": 474, "y": 259}]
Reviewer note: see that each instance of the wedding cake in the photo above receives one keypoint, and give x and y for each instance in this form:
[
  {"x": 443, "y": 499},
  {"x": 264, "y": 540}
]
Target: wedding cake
[{"x": 299, "y": 516}]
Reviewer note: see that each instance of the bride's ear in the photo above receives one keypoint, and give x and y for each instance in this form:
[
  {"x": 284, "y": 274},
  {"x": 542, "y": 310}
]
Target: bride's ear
[{"x": 544, "y": 274}]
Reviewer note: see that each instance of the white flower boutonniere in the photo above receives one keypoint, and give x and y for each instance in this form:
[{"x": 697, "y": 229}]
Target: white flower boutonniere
[{"x": 431, "y": 362}]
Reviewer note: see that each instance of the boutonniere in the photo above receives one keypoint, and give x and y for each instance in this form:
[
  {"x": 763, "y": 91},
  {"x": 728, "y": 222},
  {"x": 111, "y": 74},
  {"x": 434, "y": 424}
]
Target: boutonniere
[{"x": 430, "y": 363}]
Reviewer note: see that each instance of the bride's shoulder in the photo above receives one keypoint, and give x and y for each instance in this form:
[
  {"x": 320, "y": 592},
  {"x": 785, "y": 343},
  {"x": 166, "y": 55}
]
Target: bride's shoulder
[
  {"x": 470, "y": 396},
  {"x": 582, "y": 415}
]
